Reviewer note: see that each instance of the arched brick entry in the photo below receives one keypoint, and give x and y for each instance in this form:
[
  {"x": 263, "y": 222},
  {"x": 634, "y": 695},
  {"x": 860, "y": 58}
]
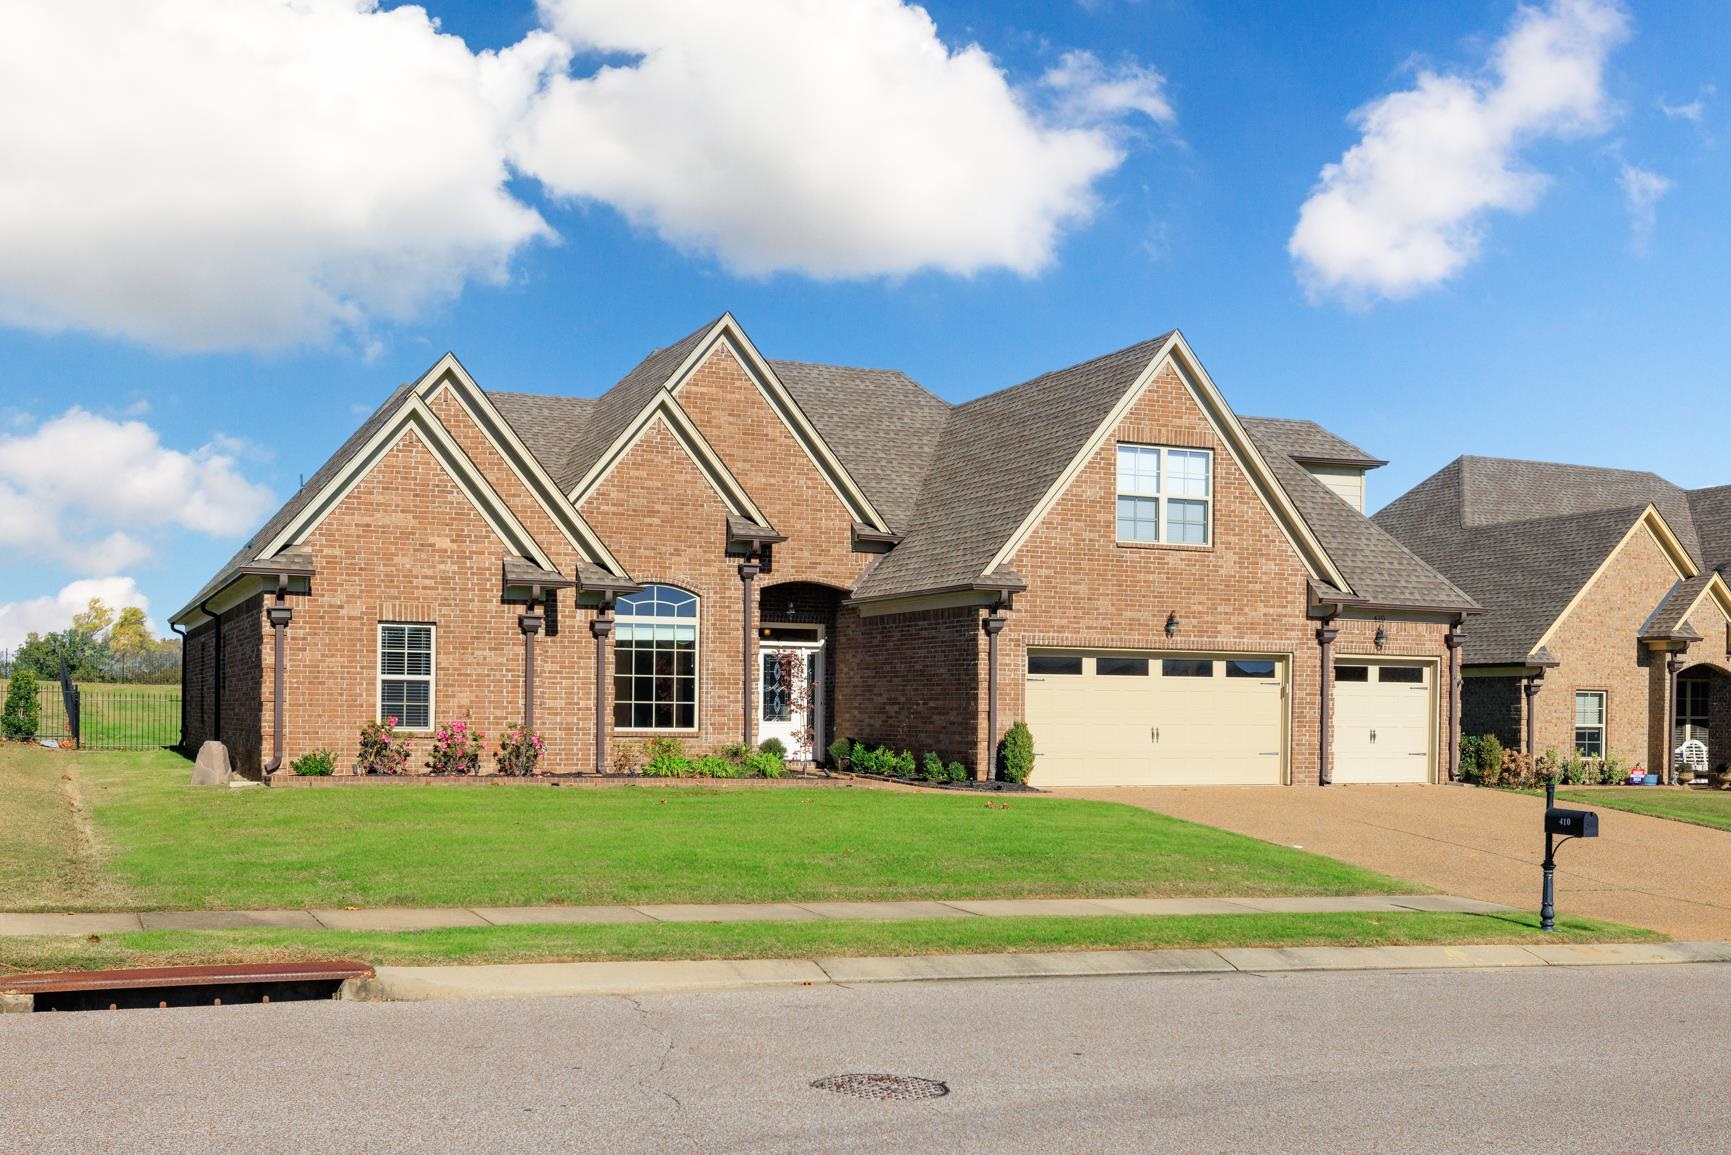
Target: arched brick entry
[{"x": 807, "y": 603}]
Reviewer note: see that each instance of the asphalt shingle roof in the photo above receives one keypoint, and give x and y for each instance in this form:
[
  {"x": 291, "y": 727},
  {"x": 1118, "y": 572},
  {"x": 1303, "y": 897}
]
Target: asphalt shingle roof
[
  {"x": 882, "y": 424},
  {"x": 549, "y": 426},
  {"x": 1306, "y": 441},
  {"x": 1377, "y": 567},
  {"x": 998, "y": 455}
]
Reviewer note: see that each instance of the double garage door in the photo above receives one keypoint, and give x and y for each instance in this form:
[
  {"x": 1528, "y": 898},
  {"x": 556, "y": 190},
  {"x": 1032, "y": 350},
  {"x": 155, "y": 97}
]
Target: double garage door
[
  {"x": 1215, "y": 719},
  {"x": 1140, "y": 720}
]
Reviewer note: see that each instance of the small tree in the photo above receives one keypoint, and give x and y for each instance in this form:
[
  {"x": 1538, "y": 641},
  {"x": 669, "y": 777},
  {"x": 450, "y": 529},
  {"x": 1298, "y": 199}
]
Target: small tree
[
  {"x": 1016, "y": 754},
  {"x": 22, "y": 716}
]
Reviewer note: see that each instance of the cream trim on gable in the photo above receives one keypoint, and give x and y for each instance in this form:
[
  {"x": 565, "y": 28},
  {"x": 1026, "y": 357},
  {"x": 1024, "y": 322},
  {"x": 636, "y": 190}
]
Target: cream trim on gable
[
  {"x": 664, "y": 409},
  {"x": 417, "y": 418},
  {"x": 1232, "y": 435},
  {"x": 1654, "y": 522},
  {"x": 730, "y": 335},
  {"x": 1721, "y": 593},
  {"x": 448, "y": 372}
]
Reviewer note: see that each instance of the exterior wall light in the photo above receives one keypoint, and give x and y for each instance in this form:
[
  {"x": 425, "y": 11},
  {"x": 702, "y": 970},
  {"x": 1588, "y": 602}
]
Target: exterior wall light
[
  {"x": 1172, "y": 623},
  {"x": 1381, "y": 637}
]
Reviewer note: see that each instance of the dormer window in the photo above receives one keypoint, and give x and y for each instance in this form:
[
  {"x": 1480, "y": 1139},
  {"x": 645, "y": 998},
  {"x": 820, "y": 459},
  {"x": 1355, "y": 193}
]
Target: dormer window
[{"x": 1164, "y": 494}]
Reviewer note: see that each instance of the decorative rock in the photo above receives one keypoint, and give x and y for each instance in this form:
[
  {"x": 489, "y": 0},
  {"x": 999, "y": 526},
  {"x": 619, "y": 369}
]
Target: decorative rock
[{"x": 213, "y": 767}]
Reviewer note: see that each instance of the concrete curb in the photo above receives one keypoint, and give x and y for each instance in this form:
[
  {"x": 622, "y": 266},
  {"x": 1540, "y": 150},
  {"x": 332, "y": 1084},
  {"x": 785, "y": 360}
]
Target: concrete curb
[{"x": 542, "y": 980}]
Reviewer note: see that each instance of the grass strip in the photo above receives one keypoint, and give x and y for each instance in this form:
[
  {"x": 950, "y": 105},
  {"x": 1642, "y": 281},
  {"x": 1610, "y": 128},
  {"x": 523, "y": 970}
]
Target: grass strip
[
  {"x": 759, "y": 940},
  {"x": 1698, "y": 807}
]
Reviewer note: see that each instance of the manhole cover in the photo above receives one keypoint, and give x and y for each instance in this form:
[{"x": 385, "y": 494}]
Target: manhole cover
[{"x": 883, "y": 1086}]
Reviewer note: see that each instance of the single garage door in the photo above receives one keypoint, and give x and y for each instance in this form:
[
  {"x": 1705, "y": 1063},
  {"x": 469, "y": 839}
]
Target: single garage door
[
  {"x": 1145, "y": 720},
  {"x": 1382, "y": 721}
]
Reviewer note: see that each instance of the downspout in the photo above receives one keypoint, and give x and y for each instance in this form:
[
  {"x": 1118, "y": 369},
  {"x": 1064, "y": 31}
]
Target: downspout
[
  {"x": 216, "y": 670},
  {"x": 993, "y": 624},
  {"x": 1673, "y": 664},
  {"x": 601, "y": 625},
  {"x": 1325, "y": 635},
  {"x": 1454, "y": 640},
  {"x": 748, "y": 569},
  {"x": 530, "y": 623},
  {"x": 182, "y": 633},
  {"x": 280, "y": 615}
]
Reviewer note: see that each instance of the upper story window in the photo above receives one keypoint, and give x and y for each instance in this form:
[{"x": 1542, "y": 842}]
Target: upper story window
[
  {"x": 406, "y": 674},
  {"x": 1164, "y": 494},
  {"x": 655, "y": 660}
]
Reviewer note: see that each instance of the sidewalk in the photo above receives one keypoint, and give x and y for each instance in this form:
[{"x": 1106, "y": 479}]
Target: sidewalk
[
  {"x": 441, "y": 918},
  {"x": 549, "y": 980}
]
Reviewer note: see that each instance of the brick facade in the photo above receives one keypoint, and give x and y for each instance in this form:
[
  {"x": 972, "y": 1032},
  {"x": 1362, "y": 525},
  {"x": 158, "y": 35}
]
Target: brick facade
[{"x": 408, "y": 544}]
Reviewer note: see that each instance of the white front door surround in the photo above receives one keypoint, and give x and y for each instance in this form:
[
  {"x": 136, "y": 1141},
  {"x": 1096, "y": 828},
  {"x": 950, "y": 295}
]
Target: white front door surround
[{"x": 790, "y": 703}]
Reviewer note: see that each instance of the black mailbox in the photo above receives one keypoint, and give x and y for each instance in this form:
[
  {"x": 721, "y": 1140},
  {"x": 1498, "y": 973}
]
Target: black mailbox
[{"x": 1571, "y": 823}]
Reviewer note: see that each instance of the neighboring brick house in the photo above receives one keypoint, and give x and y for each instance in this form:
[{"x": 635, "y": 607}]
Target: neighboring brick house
[
  {"x": 1607, "y": 624},
  {"x": 1166, "y": 592}
]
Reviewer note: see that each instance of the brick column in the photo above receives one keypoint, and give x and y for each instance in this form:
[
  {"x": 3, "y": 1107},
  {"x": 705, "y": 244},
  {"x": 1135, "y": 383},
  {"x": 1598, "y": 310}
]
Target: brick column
[
  {"x": 993, "y": 624},
  {"x": 747, "y": 649},
  {"x": 1325, "y": 635},
  {"x": 530, "y": 623},
  {"x": 1454, "y": 640},
  {"x": 601, "y": 626}
]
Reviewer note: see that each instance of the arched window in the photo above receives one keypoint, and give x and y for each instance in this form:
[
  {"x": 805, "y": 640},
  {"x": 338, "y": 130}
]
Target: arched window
[{"x": 655, "y": 660}]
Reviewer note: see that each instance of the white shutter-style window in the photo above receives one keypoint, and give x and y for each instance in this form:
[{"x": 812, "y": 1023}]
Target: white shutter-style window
[
  {"x": 406, "y": 674},
  {"x": 1165, "y": 494},
  {"x": 1590, "y": 723}
]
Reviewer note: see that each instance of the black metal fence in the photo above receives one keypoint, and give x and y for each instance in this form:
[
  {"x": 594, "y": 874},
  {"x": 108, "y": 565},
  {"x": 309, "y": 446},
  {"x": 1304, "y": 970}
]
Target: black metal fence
[{"x": 110, "y": 717}]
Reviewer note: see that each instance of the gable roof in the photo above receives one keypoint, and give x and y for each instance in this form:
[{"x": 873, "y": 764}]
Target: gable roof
[
  {"x": 997, "y": 457},
  {"x": 882, "y": 423},
  {"x": 1379, "y": 569},
  {"x": 611, "y": 413},
  {"x": 550, "y": 426},
  {"x": 1480, "y": 519}
]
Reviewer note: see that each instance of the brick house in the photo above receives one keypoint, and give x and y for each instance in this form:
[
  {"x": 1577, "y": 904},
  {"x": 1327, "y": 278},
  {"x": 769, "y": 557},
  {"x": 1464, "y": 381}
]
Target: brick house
[
  {"x": 722, "y": 547},
  {"x": 1607, "y": 624}
]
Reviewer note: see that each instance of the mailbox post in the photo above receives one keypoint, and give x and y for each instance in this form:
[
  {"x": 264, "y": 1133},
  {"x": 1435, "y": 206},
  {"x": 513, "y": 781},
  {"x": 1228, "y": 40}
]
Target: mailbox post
[{"x": 1567, "y": 824}]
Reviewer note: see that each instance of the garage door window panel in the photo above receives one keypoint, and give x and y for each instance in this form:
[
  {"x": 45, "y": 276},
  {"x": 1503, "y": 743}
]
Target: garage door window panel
[
  {"x": 1243, "y": 668},
  {"x": 1164, "y": 494},
  {"x": 1062, "y": 665},
  {"x": 1187, "y": 668},
  {"x": 1352, "y": 673},
  {"x": 1121, "y": 667},
  {"x": 1406, "y": 675}
]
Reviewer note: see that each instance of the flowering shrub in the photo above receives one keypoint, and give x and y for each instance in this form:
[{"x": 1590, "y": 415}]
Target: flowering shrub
[
  {"x": 520, "y": 750},
  {"x": 382, "y": 752},
  {"x": 456, "y": 749}
]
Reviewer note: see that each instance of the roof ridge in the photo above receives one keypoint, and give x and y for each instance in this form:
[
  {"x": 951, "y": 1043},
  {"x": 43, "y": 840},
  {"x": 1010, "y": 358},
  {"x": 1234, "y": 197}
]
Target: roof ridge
[
  {"x": 902, "y": 373},
  {"x": 1158, "y": 340}
]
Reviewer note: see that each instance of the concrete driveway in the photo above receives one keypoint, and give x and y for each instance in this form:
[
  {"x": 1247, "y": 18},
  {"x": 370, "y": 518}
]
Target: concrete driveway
[{"x": 1651, "y": 872}]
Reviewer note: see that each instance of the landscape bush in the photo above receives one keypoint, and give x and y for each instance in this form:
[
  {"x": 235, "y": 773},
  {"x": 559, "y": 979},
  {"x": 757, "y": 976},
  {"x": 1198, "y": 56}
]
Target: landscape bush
[
  {"x": 715, "y": 766},
  {"x": 904, "y": 766},
  {"x": 315, "y": 764},
  {"x": 665, "y": 758},
  {"x": 774, "y": 746},
  {"x": 956, "y": 772},
  {"x": 932, "y": 769},
  {"x": 765, "y": 764},
  {"x": 624, "y": 758},
  {"x": 22, "y": 716},
  {"x": 1467, "y": 760},
  {"x": 839, "y": 750},
  {"x": 1016, "y": 754},
  {"x": 520, "y": 750},
  {"x": 382, "y": 750},
  {"x": 456, "y": 749}
]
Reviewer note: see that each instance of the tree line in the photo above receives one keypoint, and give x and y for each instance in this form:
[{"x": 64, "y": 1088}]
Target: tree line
[{"x": 101, "y": 645}]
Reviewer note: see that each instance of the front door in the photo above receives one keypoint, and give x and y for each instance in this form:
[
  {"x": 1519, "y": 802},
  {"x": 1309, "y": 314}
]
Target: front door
[{"x": 790, "y": 697}]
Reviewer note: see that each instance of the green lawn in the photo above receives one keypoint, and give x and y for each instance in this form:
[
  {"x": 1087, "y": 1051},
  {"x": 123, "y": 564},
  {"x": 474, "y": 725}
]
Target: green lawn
[
  {"x": 743, "y": 940},
  {"x": 161, "y": 844},
  {"x": 1701, "y": 807}
]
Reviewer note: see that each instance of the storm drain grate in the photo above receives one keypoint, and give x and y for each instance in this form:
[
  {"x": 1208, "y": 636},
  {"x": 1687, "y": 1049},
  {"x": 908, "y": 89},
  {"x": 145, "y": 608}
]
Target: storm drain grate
[{"x": 898, "y": 1087}]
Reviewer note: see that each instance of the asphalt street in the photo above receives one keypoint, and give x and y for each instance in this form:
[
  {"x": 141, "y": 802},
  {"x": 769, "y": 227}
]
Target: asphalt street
[{"x": 1551, "y": 1059}]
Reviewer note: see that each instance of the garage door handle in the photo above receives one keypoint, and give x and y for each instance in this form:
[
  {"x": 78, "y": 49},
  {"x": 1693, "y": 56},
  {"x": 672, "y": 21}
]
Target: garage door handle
[
  {"x": 1373, "y": 737},
  {"x": 1154, "y": 733}
]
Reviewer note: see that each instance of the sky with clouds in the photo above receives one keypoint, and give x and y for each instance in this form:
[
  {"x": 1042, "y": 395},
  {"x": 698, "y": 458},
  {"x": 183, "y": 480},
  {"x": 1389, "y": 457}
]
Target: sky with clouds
[{"x": 229, "y": 227}]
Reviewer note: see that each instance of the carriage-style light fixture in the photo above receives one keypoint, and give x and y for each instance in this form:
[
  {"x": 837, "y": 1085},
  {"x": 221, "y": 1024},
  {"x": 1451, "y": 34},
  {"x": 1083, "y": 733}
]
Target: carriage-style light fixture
[
  {"x": 1381, "y": 637},
  {"x": 1172, "y": 623}
]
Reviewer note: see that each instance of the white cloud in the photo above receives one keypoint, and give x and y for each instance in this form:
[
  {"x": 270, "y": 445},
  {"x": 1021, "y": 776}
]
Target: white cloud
[
  {"x": 258, "y": 174},
  {"x": 1642, "y": 189},
  {"x": 1404, "y": 209},
  {"x": 1692, "y": 111},
  {"x": 72, "y": 488},
  {"x": 837, "y": 138},
  {"x": 53, "y": 612},
  {"x": 1090, "y": 93},
  {"x": 201, "y": 174}
]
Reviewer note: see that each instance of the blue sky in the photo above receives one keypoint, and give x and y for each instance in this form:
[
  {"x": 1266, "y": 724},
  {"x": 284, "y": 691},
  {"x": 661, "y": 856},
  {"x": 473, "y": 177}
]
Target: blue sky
[{"x": 1559, "y": 299}]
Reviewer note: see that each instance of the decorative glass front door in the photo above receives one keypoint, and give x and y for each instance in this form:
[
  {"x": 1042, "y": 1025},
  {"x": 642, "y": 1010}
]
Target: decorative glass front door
[{"x": 790, "y": 696}]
